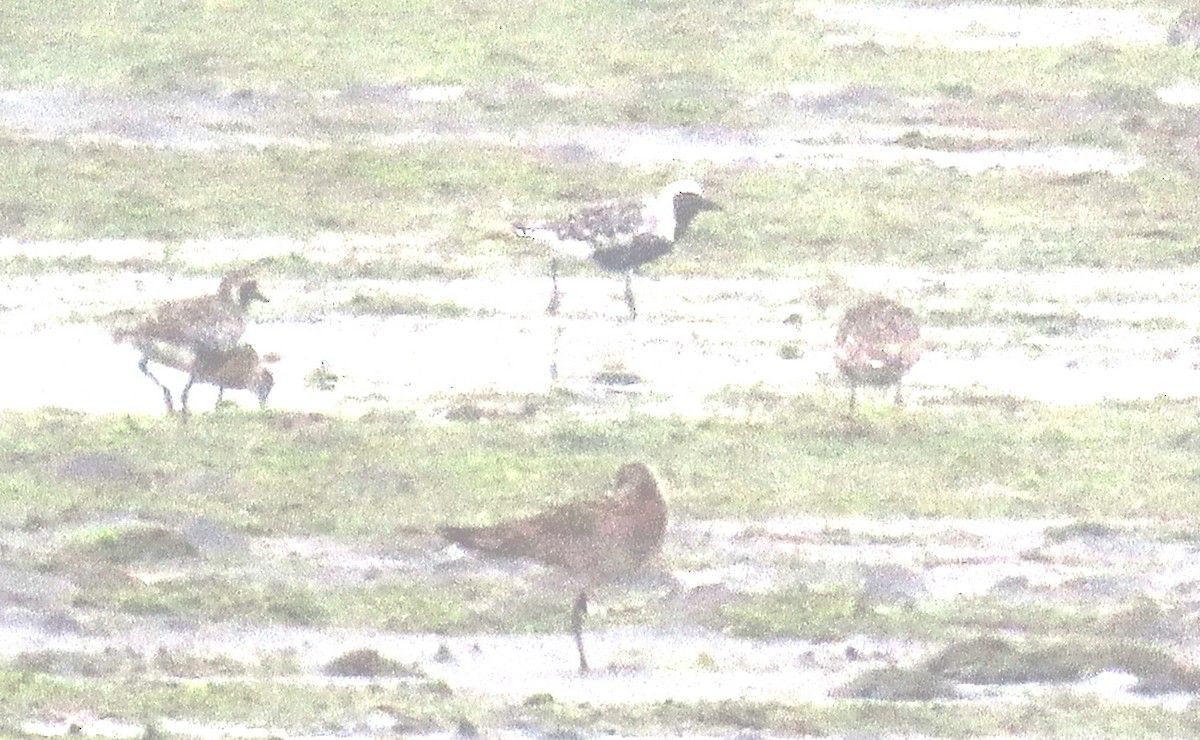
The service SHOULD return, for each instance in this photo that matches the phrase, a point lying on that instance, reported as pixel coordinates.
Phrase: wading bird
(878, 341)
(191, 332)
(240, 369)
(591, 541)
(622, 235)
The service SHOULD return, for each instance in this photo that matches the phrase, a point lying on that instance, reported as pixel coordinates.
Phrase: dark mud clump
(366, 662)
(898, 684)
(128, 544)
(989, 660)
(102, 468)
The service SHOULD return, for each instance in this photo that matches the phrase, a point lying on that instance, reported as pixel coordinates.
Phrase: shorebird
(189, 332)
(240, 369)
(878, 341)
(622, 235)
(591, 540)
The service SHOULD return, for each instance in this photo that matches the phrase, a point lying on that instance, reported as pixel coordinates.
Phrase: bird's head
(687, 198)
(635, 478)
(248, 291)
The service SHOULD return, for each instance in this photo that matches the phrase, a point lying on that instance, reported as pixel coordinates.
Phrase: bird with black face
(180, 333)
(622, 235)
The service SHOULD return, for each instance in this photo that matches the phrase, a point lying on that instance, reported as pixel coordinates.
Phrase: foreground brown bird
(591, 541)
(180, 333)
(878, 341)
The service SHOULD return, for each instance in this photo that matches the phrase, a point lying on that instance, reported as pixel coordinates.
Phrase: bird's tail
(481, 539)
(465, 536)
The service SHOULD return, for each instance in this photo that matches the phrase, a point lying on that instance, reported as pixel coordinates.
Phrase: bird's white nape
(681, 186)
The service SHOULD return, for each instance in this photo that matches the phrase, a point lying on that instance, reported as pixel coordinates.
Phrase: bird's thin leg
(629, 295)
(552, 309)
(558, 330)
(145, 368)
(220, 394)
(899, 395)
(183, 396)
(853, 395)
(577, 627)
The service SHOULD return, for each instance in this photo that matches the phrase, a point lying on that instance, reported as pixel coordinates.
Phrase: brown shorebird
(622, 235)
(194, 331)
(878, 341)
(241, 369)
(591, 541)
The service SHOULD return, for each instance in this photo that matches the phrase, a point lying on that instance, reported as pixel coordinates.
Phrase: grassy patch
(676, 50)
(209, 597)
(381, 477)
(281, 472)
(1052, 717)
(797, 612)
(141, 699)
(386, 304)
(456, 200)
(427, 707)
(126, 544)
(342, 80)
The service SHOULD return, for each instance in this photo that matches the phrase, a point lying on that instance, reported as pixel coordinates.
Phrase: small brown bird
(591, 541)
(180, 332)
(241, 369)
(878, 341)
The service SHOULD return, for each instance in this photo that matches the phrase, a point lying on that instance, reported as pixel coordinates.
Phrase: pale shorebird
(194, 332)
(622, 235)
(878, 341)
(591, 541)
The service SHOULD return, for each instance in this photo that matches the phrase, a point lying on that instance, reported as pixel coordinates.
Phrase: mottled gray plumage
(189, 332)
(878, 341)
(591, 541)
(622, 235)
(210, 322)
